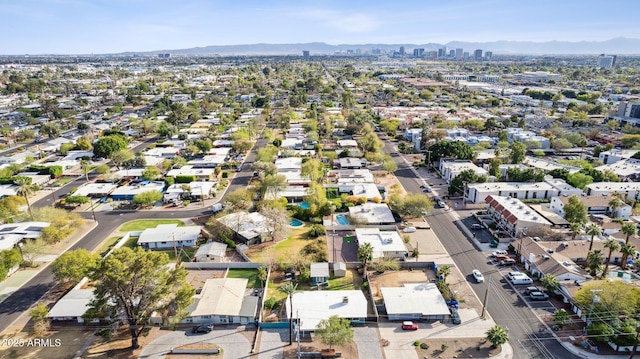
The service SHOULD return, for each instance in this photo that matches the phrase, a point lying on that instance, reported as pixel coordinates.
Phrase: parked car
(428, 189)
(514, 274)
(202, 329)
(478, 276)
(455, 316)
(408, 325)
(476, 226)
(521, 280)
(501, 257)
(538, 295)
(499, 252)
(530, 290)
(441, 204)
(409, 229)
(507, 262)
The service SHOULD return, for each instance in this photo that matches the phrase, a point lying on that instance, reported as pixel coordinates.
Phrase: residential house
(313, 306)
(73, 305)
(126, 193)
(200, 174)
(477, 192)
(166, 236)
(512, 217)
(223, 301)
(95, 189)
(13, 233)
(415, 301)
(371, 214)
(614, 155)
(249, 228)
(627, 169)
(211, 252)
(449, 169)
(596, 205)
(385, 244)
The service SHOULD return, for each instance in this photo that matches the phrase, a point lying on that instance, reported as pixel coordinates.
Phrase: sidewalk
(23, 276)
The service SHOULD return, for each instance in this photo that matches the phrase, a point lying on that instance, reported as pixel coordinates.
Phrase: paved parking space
(272, 342)
(368, 342)
(234, 344)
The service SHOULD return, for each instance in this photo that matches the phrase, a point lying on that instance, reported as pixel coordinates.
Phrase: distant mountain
(620, 46)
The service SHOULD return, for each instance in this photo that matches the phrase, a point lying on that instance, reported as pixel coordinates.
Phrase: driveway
(272, 342)
(368, 342)
(234, 344)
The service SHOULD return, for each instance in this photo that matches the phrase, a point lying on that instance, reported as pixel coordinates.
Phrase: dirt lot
(119, 347)
(22, 344)
(348, 351)
(457, 348)
(197, 277)
(396, 279)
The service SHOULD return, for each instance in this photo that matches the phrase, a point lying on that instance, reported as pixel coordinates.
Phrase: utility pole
(594, 299)
(486, 297)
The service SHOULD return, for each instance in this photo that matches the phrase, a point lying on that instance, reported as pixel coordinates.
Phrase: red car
(409, 326)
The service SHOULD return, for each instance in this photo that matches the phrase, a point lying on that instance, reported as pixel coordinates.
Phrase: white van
(521, 280)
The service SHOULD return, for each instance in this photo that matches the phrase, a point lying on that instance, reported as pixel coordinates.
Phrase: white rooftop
(381, 241)
(413, 298)
(614, 186)
(73, 304)
(221, 296)
(139, 188)
(372, 213)
(547, 165)
(169, 233)
(289, 163)
(97, 189)
(347, 143)
(519, 210)
(248, 225)
(623, 168)
(190, 171)
(313, 306)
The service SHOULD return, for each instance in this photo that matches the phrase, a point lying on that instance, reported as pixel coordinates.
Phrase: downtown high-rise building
(606, 61)
(419, 52)
(477, 55)
(459, 54)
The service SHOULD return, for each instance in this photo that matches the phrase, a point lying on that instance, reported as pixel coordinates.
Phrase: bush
(416, 343)
(316, 251)
(224, 239)
(272, 304)
(185, 179)
(316, 230)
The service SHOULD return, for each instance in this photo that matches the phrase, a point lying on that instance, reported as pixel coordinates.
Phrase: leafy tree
(50, 130)
(491, 124)
(613, 245)
(615, 203)
(629, 229)
(518, 152)
(335, 331)
(76, 200)
(494, 168)
(107, 145)
(601, 332)
(411, 205)
(238, 200)
(575, 211)
(593, 229)
(460, 182)
(288, 289)
(579, 180)
(39, 314)
(139, 283)
(389, 165)
(550, 282)
(120, 157)
(272, 185)
(594, 262)
(496, 335)
(365, 255)
(277, 221)
(151, 173)
(264, 168)
(312, 169)
(561, 317)
(72, 266)
(262, 274)
(25, 188)
(33, 249)
(450, 149)
(147, 198)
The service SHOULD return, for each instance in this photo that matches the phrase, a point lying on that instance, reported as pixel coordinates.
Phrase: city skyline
(113, 26)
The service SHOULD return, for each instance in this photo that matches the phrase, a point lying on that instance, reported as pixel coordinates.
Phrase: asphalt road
(527, 334)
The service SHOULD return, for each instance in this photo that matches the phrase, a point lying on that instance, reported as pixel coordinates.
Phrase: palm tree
(627, 250)
(614, 204)
(575, 228)
(444, 271)
(289, 289)
(496, 335)
(613, 246)
(365, 255)
(593, 230)
(594, 262)
(25, 189)
(629, 229)
(561, 317)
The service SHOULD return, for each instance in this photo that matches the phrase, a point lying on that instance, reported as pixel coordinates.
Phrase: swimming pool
(296, 223)
(304, 205)
(342, 219)
(622, 275)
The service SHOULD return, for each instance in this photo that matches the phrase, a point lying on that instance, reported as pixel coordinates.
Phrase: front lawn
(106, 246)
(142, 224)
(284, 249)
(250, 274)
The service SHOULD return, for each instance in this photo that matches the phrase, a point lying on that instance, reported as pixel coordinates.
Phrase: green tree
(575, 211)
(272, 185)
(365, 255)
(628, 229)
(348, 100)
(107, 145)
(147, 198)
(613, 245)
(561, 317)
(389, 165)
(593, 229)
(138, 283)
(518, 152)
(25, 189)
(50, 130)
(120, 157)
(496, 335)
(335, 331)
(579, 180)
(288, 289)
(594, 262)
(238, 200)
(313, 169)
(39, 314)
(262, 275)
(575, 228)
(614, 204)
(450, 149)
(151, 173)
(444, 271)
(411, 204)
(494, 168)
(550, 282)
(459, 183)
(77, 200)
(72, 266)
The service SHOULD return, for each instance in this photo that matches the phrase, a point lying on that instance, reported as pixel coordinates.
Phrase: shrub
(316, 251)
(416, 343)
(185, 179)
(272, 304)
(316, 230)
(224, 239)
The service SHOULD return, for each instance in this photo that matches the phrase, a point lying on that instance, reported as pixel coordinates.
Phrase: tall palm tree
(629, 229)
(289, 289)
(365, 255)
(627, 250)
(593, 230)
(594, 262)
(25, 188)
(613, 246)
(444, 271)
(614, 204)
(575, 228)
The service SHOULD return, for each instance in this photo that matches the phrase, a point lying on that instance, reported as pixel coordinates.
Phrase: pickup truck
(538, 295)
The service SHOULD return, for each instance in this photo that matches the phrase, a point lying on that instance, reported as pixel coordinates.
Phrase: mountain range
(618, 46)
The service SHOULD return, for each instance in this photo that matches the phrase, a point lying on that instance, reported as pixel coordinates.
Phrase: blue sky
(108, 26)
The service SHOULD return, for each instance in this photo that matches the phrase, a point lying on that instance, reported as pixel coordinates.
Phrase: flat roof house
(126, 193)
(385, 243)
(223, 301)
(211, 252)
(73, 305)
(628, 190)
(415, 301)
(313, 306)
(248, 227)
(372, 214)
(166, 236)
